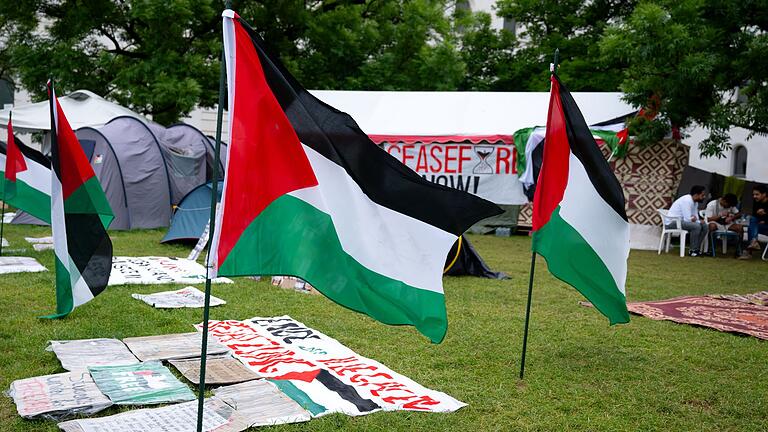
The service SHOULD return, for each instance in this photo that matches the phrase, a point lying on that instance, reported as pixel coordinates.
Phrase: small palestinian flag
(79, 218)
(308, 194)
(580, 226)
(26, 178)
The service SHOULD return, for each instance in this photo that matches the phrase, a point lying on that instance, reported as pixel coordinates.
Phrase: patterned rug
(745, 314)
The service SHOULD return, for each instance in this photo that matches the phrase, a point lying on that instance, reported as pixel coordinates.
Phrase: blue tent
(191, 215)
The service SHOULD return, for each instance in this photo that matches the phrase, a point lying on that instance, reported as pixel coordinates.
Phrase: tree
(161, 58)
(691, 59)
(573, 26)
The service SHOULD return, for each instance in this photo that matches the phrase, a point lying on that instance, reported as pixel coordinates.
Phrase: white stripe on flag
(599, 224)
(382, 240)
(35, 176)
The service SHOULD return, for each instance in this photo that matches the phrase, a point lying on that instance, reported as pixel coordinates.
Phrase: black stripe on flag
(584, 147)
(28, 152)
(90, 249)
(384, 179)
(346, 392)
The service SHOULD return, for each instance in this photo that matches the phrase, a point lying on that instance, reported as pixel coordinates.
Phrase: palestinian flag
(26, 178)
(579, 223)
(308, 194)
(80, 216)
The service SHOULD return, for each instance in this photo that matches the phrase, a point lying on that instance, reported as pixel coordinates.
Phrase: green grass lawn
(581, 374)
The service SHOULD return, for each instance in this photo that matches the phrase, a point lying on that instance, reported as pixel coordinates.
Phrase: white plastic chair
(668, 233)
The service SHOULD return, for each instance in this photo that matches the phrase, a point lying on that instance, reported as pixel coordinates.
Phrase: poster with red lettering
(320, 373)
(488, 170)
(57, 396)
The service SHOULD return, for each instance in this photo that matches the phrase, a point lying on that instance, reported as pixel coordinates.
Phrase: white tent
(82, 107)
(461, 113)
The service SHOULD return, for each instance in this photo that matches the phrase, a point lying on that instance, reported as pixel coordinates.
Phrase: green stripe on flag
(90, 198)
(299, 396)
(293, 238)
(64, 300)
(28, 199)
(571, 259)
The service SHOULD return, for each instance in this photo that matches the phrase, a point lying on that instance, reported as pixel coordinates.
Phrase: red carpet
(735, 314)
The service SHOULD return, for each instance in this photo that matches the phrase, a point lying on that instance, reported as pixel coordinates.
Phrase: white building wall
(757, 154)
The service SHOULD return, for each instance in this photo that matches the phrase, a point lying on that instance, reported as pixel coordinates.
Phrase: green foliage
(573, 26)
(160, 57)
(581, 374)
(690, 56)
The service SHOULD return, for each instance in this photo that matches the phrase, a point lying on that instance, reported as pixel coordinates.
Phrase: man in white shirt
(722, 212)
(686, 209)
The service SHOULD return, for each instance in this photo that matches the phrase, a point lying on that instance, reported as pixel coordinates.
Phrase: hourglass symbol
(483, 167)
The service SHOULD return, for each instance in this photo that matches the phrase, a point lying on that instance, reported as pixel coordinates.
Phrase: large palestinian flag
(26, 178)
(79, 218)
(308, 194)
(580, 226)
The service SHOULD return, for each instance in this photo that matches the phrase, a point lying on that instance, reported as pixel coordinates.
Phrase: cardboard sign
(218, 370)
(157, 270)
(172, 346)
(190, 297)
(486, 170)
(10, 264)
(217, 417)
(57, 396)
(140, 384)
(79, 354)
(318, 367)
(260, 403)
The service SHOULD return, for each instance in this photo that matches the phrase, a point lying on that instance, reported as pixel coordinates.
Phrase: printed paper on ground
(262, 404)
(172, 346)
(217, 417)
(140, 384)
(190, 297)
(57, 396)
(157, 270)
(79, 354)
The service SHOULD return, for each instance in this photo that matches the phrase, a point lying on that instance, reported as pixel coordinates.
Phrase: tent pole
(212, 222)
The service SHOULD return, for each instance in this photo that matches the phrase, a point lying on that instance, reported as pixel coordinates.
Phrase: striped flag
(308, 194)
(26, 178)
(579, 223)
(79, 218)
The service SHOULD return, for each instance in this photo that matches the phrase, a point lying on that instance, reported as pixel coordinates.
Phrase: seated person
(722, 212)
(758, 223)
(686, 208)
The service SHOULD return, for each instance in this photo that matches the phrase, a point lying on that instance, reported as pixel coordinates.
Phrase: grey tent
(144, 168)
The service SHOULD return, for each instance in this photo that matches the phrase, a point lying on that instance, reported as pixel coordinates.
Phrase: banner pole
(527, 314)
(212, 222)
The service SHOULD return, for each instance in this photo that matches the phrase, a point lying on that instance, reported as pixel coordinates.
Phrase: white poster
(190, 297)
(20, 265)
(57, 396)
(157, 270)
(217, 416)
(486, 170)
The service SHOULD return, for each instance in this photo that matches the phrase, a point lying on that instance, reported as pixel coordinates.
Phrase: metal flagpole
(533, 268)
(212, 222)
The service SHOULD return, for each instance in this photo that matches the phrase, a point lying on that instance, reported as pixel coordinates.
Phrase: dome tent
(144, 168)
(192, 214)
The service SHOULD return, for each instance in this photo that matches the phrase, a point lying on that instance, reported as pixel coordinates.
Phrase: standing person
(686, 208)
(758, 223)
(722, 212)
